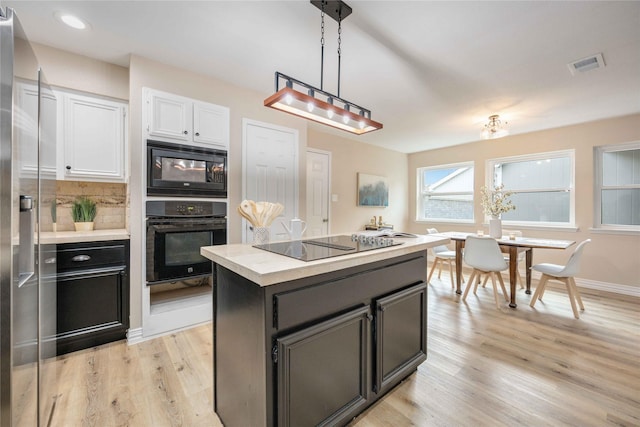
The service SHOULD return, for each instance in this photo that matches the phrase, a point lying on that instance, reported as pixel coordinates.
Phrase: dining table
(513, 245)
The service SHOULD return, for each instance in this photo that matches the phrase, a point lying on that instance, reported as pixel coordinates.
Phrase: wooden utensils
(260, 214)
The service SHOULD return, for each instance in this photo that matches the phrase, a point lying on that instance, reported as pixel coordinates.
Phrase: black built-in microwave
(185, 171)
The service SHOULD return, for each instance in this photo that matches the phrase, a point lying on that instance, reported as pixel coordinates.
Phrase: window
(445, 193)
(542, 186)
(617, 186)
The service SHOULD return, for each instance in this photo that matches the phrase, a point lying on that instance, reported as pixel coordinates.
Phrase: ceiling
(431, 72)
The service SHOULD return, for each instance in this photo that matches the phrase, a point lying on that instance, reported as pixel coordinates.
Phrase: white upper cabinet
(170, 117)
(210, 124)
(27, 130)
(175, 118)
(95, 139)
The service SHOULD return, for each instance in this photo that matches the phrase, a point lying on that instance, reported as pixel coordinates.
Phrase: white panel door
(318, 173)
(270, 172)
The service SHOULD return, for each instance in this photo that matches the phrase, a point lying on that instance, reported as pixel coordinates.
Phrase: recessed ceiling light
(71, 20)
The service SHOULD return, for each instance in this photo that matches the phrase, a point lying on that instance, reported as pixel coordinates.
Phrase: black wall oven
(176, 230)
(185, 171)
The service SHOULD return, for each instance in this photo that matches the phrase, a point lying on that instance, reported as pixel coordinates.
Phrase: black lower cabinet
(323, 371)
(317, 351)
(398, 346)
(92, 294)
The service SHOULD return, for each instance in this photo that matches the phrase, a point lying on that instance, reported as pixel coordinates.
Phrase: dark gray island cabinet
(306, 344)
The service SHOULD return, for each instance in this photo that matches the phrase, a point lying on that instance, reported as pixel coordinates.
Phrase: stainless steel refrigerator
(27, 255)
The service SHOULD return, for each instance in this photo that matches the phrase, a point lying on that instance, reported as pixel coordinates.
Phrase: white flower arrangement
(496, 202)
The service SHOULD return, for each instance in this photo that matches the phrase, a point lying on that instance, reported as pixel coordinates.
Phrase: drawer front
(88, 256)
(299, 306)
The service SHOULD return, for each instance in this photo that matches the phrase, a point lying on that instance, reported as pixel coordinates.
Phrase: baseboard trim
(134, 336)
(615, 288)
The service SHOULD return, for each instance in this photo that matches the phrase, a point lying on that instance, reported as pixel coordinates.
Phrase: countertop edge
(266, 268)
(83, 236)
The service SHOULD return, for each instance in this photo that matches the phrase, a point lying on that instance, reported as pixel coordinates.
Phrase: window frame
(420, 193)
(598, 186)
(571, 224)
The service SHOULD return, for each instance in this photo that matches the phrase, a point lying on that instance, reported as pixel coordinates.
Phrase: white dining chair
(521, 255)
(441, 254)
(484, 256)
(561, 273)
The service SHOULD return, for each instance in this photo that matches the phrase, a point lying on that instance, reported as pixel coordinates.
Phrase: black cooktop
(327, 247)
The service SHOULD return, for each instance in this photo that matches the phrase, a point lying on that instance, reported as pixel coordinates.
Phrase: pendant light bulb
(330, 110)
(289, 99)
(345, 117)
(310, 104)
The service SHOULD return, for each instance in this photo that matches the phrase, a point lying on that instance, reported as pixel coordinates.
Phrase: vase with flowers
(494, 203)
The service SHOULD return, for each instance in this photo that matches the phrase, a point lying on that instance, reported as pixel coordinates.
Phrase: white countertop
(266, 268)
(50, 237)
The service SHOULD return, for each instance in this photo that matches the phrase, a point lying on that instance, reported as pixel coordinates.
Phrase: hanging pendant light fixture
(303, 100)
(494, 128)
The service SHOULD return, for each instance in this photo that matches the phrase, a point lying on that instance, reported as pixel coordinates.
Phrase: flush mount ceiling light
(303, 100)
(71, 20)
(494, 128)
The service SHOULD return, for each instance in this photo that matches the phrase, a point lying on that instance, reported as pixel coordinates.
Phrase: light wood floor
(485, 367)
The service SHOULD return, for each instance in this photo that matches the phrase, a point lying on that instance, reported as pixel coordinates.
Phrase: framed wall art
(373, 190)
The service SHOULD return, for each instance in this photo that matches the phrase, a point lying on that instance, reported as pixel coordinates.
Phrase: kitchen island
(315, 343)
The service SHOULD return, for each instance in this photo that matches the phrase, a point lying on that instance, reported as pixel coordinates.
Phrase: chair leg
(543, 290)
(519, 279)
(477, 281)
(451, 273)
(504, 290)
(537, 295)
(486, 279)
(495, 289)
(572, 296)
(441, 261)
(470, 283)
(433, 267)
(576, 293)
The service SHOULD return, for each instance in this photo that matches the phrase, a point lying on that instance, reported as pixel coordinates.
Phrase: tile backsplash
(111, 200)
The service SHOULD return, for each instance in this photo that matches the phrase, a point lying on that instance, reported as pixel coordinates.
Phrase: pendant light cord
(322, 49)
(339, 50)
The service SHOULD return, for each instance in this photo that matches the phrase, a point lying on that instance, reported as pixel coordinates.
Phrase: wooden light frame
(309, 107)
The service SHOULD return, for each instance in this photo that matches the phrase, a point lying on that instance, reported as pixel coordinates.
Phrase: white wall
(610, 258)
(350, 157)
(243, 103)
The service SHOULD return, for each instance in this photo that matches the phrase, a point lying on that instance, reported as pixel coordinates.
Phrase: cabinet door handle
(51, 260)
(185, 132)
(68, 168)
(80, 258)
(197, 133)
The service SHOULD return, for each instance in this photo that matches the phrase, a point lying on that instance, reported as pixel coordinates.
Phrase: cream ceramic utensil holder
(260, 235)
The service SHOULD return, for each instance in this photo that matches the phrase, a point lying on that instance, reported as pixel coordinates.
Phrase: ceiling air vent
(586, 64)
